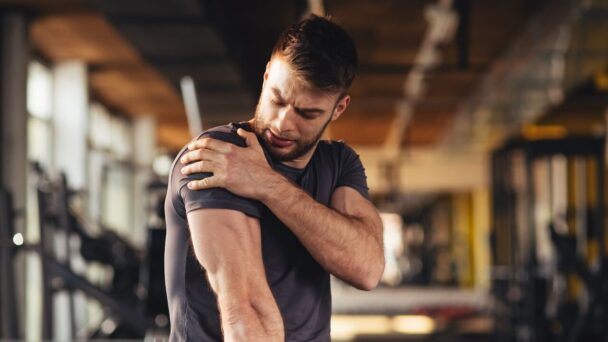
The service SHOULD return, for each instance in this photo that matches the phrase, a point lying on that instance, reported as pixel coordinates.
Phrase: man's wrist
(273, 185)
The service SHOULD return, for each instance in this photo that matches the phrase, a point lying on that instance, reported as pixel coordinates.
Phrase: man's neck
(302, 161)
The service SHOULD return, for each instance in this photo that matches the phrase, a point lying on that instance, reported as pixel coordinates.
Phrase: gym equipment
(123, 300)
(8, 320)
(548, 241)
(153, 271)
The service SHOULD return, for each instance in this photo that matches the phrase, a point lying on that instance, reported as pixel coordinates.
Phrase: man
(260, 213)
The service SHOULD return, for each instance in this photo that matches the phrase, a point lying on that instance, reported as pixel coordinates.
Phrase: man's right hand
(244, 171)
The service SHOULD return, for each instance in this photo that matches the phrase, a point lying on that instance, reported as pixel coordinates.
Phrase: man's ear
(266, 71)
(340, 107)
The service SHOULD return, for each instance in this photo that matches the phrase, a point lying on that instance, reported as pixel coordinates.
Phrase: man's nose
(285, 120)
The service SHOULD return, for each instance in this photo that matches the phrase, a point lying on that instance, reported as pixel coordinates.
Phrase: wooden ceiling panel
(172, 136)
(45, 5)
(360, 13)
(401, 34)
(427, 128)
(168, 40)
(442, 84)
(388, 55)
(150, 7)
(370, 107)
(136, 90)
(202, 74)
(373, 85)
(85, 36)
(369, 130)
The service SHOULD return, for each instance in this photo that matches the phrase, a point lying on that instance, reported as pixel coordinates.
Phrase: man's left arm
(345, 238)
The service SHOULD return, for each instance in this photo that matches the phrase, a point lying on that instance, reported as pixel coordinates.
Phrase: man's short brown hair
(321, 52)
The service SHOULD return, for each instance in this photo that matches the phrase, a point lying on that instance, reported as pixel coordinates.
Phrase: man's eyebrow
(310, 110)
(313, 110)
(276, 93)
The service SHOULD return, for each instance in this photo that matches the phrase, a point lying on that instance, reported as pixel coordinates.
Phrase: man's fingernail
(183, 170)
(190, 185)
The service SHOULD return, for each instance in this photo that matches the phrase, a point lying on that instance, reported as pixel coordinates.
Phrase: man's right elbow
(244, 323)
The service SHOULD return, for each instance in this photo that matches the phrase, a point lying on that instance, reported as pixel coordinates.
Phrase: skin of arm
(346, 238)
(227, 243)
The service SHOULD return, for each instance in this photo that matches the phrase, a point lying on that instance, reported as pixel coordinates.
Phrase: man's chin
(281, 154)
(288, 153)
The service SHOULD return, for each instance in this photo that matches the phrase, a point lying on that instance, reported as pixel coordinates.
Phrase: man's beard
(301, 147)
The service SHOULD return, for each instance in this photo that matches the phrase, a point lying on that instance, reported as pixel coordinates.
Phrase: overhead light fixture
(18, 239)
(162, 164)
(537, 132)
(413, 324)
(347, 327)
(601, 80)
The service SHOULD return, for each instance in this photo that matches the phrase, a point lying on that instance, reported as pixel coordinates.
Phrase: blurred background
(481, 124)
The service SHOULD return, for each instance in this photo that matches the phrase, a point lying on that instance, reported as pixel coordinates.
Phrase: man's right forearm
(253, 319)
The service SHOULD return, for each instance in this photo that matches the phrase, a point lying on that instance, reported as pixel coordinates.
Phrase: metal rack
(8, 320)
(549, 258)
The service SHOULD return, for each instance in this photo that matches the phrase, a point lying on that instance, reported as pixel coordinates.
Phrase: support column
(14, 54)
(144, 144)
(70, 125)
(70, 117)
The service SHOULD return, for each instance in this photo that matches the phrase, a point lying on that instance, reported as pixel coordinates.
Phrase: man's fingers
(206, 183)
(199, 154)
(250, 137)
(210, 144)
(197, 167)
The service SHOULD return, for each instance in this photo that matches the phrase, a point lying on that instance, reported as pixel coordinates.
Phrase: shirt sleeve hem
(361, 190)
(215, 204)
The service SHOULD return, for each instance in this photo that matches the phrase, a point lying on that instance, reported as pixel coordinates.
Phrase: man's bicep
(227, 243)
(350, 202)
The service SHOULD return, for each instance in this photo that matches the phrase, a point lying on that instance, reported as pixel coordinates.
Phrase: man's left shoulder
(337, 149)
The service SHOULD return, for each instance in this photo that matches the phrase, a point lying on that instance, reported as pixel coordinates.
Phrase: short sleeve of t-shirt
(352, 172)
(217, 198)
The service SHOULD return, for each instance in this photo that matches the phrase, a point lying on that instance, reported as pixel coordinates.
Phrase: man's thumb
(249, 137)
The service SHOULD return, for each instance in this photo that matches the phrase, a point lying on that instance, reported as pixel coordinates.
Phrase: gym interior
(481, 125)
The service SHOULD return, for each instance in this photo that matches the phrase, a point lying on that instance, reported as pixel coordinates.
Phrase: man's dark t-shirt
(299, 284)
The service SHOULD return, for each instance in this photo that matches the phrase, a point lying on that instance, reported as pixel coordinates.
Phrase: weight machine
(133, 302)
(59, 224)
